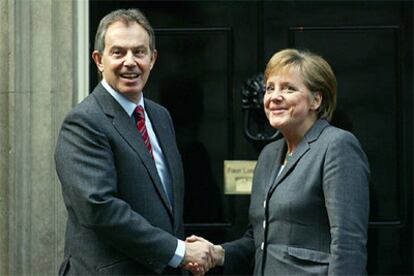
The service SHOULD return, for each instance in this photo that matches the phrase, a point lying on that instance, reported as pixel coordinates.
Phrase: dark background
(208, 49)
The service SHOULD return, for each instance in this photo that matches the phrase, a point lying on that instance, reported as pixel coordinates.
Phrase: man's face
(127, 60)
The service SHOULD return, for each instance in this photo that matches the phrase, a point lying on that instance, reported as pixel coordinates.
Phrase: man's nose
(129, 59)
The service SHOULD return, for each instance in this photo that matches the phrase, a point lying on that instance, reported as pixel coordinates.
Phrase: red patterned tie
(140, 119)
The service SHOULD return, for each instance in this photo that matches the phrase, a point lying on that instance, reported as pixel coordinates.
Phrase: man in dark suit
(120, 170)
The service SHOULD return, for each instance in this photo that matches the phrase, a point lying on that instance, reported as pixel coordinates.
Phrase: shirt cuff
(178, 255)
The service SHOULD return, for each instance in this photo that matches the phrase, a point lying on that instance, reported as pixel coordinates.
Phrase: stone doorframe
(44, 72)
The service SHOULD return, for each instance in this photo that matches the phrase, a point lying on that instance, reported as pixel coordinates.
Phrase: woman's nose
(276, 95)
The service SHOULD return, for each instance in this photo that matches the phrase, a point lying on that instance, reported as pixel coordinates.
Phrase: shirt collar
(126, 104)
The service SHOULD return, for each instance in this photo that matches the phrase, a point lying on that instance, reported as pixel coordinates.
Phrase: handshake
(201, 255)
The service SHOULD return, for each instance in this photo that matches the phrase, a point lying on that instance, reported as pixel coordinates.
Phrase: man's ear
(97, 57)
(316, 100)
(154, 55)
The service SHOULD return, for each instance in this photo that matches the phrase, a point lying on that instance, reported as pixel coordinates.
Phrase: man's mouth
(130, 75)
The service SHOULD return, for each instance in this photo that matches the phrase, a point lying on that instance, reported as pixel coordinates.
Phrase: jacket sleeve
(86, 169)
(346, 191)
(239, 255)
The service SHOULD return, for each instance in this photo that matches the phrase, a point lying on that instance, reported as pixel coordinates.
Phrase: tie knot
(139, 112)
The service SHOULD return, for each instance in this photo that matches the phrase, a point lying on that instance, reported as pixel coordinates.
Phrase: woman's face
(288, 103)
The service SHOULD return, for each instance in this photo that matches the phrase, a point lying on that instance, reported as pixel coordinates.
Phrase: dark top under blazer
(313, 217)
(119, 219)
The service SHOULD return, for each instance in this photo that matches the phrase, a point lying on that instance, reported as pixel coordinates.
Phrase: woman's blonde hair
(316, 73)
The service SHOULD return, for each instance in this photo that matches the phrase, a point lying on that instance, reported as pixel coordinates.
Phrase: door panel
(192, 90)
(208, 49)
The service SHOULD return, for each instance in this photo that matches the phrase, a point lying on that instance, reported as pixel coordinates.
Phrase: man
(120, 170)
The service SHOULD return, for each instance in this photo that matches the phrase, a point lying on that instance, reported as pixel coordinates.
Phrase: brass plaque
(238, 177)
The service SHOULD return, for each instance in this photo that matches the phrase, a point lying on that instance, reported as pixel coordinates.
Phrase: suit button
(264, 204)
(262, 246)
(264, 224)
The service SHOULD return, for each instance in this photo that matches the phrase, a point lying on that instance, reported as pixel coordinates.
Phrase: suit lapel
(164, 140)
(303, 147)
(126, 128)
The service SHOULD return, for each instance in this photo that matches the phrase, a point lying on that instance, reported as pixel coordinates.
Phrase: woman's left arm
(346, 191)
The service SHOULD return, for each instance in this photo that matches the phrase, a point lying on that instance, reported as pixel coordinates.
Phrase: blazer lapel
(304, 146)
(276, 164)
(126, 128)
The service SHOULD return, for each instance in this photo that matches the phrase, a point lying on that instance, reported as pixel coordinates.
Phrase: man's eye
(139, 52)
(116, 52)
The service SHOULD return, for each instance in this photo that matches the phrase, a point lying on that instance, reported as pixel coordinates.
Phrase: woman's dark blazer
(313, 217)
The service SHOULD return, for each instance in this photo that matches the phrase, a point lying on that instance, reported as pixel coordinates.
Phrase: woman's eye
(289, 89)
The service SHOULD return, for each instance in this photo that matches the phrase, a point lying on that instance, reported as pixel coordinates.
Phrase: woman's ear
(316, 100)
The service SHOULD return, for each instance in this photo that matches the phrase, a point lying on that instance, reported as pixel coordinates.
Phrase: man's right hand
(211, 255)
(198, 257)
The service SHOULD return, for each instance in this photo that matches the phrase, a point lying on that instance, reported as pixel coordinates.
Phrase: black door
(208, 49)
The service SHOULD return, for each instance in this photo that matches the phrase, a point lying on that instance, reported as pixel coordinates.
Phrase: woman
(309, 203)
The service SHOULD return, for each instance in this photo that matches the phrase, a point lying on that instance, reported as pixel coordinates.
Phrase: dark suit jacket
(119, 219)
(313, 217)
